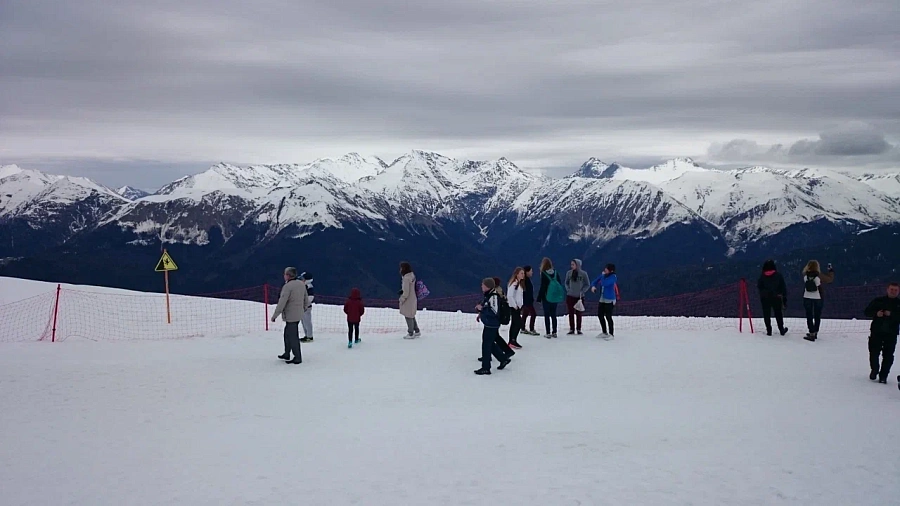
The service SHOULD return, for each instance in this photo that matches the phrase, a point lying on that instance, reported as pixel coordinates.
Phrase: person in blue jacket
(609, 293)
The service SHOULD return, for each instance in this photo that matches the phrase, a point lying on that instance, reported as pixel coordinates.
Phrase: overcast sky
(143, 92)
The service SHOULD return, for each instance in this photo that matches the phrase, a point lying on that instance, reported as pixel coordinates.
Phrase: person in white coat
(515, 296)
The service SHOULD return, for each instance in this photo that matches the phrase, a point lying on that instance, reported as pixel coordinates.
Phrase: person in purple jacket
(609, 293)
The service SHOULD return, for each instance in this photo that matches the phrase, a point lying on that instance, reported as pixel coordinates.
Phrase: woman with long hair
(577, 284)
(550, 295)
(515, 297)
(812, 299)
(528, 306)
(409, 303)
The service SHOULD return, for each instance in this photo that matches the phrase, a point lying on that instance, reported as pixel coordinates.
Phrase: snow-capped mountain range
(491, 203)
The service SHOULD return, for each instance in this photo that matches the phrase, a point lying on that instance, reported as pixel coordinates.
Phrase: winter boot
(287, 356)
(873, 375)
(483, 372)
(784, 331)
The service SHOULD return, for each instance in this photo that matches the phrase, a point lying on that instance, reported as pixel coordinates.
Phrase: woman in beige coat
(408, 301)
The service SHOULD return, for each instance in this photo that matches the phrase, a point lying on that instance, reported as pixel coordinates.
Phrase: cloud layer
(547, 84)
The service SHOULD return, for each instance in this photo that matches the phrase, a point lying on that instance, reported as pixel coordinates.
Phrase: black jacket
(771, 285)
(889, 325)
(528, 294)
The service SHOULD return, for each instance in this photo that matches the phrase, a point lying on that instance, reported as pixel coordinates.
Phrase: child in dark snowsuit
(354, 310)
(488, 315)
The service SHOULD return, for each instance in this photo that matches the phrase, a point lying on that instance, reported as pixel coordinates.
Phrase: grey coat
(408, 301)
(293, 301)
(581, 286)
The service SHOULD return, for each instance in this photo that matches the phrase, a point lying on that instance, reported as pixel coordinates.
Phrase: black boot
(483, 372)
(504, 364)
(784, 331)
(873, 375)
(286, 356)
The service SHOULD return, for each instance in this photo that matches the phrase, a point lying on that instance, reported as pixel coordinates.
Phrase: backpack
(811, 284)
(504, 312)
(421, 290)
(555, 291)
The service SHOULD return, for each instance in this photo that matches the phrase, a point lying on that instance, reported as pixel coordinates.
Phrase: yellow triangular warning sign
(166, 263)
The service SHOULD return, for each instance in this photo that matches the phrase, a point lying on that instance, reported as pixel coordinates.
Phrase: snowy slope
(218, 420)
(885, 183)
(658, 173)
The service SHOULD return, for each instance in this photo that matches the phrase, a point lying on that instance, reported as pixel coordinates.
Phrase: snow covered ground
(653, 417)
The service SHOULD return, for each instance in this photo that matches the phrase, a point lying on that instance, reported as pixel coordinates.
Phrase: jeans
(813, 309)
(526, 312)
(351, 328)
(307, 323)
(574, 316)
(515, 325)
(549, 315)
(773, 305)
(605, 312)
(412, 325)
(488, 336)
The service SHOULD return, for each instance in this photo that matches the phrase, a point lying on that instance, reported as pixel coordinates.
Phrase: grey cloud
(852, 144)
(554, 83)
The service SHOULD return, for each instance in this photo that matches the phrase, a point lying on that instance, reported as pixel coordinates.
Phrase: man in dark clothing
(885, 314)
(773, 296)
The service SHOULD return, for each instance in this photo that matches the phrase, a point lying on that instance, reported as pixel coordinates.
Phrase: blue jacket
(607, 284)
(489, 308)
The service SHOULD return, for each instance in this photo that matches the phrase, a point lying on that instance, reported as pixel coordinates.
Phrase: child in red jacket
(354, 309)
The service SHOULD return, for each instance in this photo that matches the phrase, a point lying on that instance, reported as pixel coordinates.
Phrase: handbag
(579, 306)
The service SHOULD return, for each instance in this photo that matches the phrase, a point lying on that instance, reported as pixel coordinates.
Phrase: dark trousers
(526, 312)
(549, 315)
(292, 339)
(574, 316)
(488, 345)
(515, 325)
(604, 312)
(813, 309)
(773, 305)
(884, 345)
(351, 328)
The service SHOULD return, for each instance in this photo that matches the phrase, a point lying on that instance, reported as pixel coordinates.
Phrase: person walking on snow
(291, 304)
(488, 315)
(307, 278)
(885, 314)
(609, 294)
(812, 299)
(516, 298)
(501, 349)
(354, 309)
(550, 299)
(772, 296)
(409, 303)
(528, 303)
(577, 284)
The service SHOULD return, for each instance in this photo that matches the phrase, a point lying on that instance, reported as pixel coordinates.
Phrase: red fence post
(749, 312)
(55, 315)
(266, 303)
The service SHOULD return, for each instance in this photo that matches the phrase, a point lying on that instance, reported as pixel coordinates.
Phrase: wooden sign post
(165, 265)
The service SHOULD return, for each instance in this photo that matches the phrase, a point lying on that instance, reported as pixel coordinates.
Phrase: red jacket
(354, 307)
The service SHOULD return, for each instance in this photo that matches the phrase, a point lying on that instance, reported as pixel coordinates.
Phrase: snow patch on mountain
(658, 173)
(886, 183)
(131, 193)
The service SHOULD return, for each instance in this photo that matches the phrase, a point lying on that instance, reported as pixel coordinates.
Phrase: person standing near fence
(607, 281)
(516, 297)
(354, 309)
(528, 303)
(550, 295)
(812, 299)
(772, 296)
(307, 315)
(409, 303)
(885, 314)
(577, 284)
(291, 304)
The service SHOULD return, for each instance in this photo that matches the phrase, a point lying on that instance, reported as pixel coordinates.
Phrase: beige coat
(292, 302)
(408, 301)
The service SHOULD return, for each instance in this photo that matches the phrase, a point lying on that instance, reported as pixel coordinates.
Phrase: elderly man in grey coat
(291, 305)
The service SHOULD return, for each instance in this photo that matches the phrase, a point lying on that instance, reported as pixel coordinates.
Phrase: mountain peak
(131, 193)
(9, 170)
(594, 168)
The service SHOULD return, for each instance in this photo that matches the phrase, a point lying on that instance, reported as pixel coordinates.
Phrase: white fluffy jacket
(515, 295)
